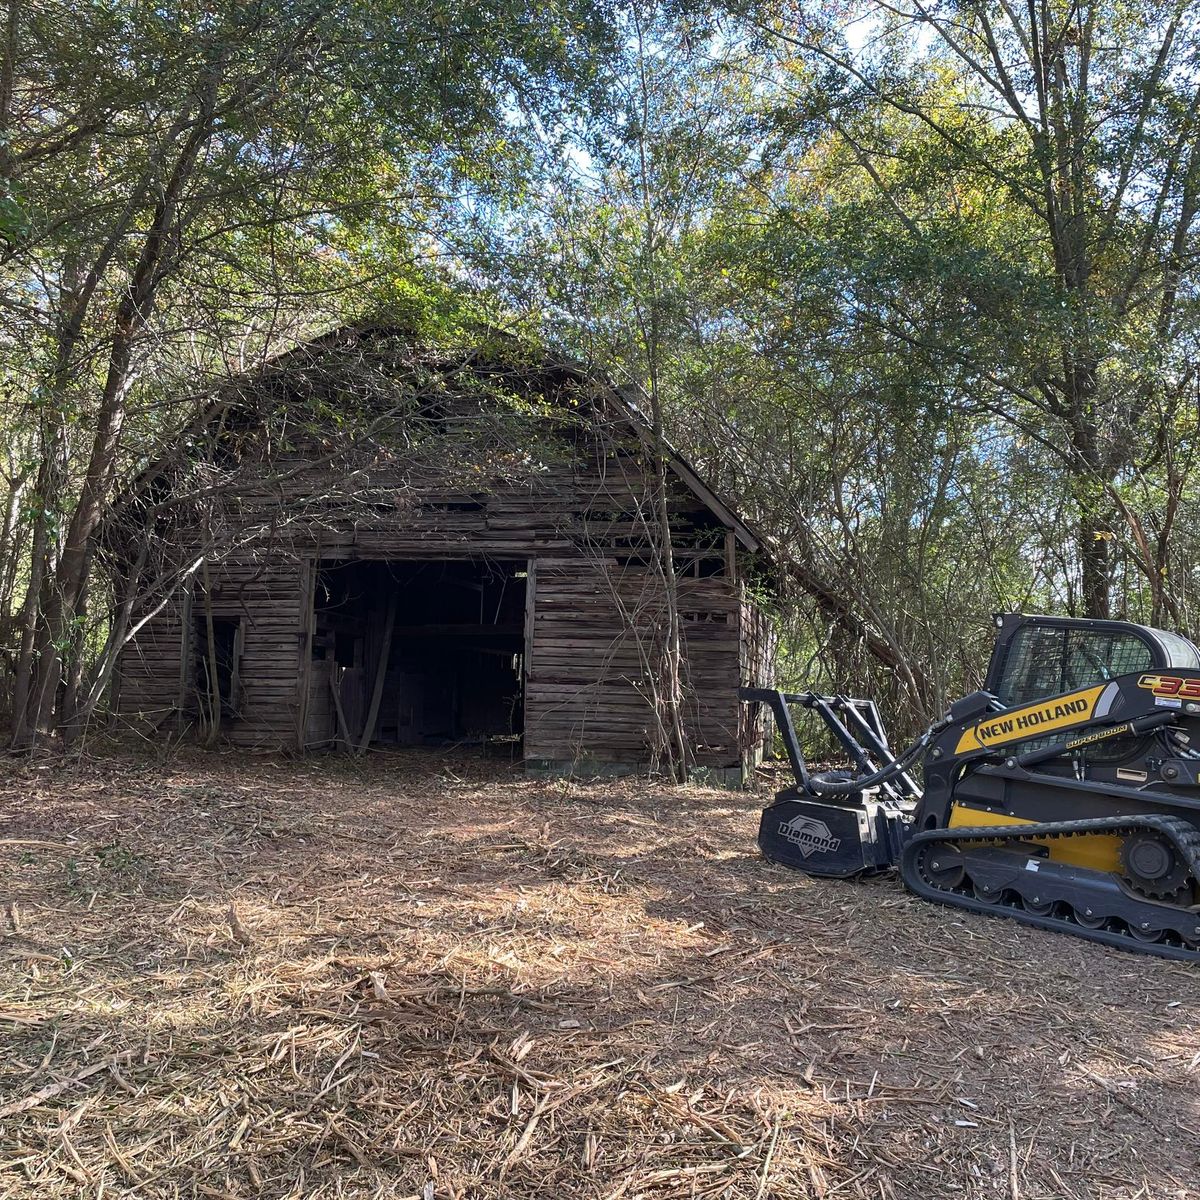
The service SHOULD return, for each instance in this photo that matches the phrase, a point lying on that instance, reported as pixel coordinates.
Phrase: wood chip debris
(415, 977)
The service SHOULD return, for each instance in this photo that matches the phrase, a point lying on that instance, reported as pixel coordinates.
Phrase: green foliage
(939, 396)
(922, 304)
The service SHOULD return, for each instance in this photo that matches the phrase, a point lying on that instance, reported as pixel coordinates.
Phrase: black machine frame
(1117, 757)
(849, 719)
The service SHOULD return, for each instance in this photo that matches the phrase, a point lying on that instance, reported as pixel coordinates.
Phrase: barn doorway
(421, 653)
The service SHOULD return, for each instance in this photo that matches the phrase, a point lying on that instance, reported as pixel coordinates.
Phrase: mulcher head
(838, 823)
(858, 834)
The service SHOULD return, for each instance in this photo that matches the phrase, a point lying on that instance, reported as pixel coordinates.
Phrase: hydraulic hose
(898, 765)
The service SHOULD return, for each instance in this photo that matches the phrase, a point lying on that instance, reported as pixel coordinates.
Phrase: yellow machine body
(1096, 851)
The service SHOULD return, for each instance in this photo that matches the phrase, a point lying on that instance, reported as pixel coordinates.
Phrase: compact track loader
(1065, 795)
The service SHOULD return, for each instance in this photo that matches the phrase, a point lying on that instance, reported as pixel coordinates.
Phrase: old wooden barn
(372, 542)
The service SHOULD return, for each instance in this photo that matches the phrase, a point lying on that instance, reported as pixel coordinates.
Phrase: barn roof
(624, 404)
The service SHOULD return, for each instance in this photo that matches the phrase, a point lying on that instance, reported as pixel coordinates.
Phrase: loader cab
(1038, 656)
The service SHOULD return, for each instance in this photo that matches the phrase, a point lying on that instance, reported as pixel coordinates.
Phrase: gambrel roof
(238, 401)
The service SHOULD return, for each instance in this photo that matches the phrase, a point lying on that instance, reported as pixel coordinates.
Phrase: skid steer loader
(1065, 795)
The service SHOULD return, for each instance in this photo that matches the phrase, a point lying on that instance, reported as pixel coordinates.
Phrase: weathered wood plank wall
(150, 676)
(157, 679)
(589, 694)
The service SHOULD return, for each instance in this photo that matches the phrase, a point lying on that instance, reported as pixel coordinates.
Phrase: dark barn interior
(439, 642)
(216, 659)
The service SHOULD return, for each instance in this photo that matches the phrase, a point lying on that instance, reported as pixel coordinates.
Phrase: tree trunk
(85, 706)
(24, 681)
(670, 668)
(1095, 565)
(1092, 478)
(64, 604)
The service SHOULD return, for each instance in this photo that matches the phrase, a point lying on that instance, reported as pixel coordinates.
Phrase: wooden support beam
(385, 653)
(335, 686)
(186, 634)
(308, 581)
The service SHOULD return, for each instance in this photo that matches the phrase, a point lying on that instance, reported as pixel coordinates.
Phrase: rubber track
(1184, 836)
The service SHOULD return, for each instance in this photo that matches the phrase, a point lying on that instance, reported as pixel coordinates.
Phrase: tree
(1082, 121)
(182, 189)
(601, 260)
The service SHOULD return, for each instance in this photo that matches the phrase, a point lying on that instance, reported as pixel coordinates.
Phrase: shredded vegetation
(415, 977)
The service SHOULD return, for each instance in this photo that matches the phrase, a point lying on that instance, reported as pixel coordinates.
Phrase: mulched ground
(416, 977)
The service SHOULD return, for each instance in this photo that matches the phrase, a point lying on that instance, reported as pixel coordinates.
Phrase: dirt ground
(419, 977)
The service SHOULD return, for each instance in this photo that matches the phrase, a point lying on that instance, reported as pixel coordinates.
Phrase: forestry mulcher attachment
(1066, 794)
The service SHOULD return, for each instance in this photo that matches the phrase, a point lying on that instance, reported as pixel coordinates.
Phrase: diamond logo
(809, 836)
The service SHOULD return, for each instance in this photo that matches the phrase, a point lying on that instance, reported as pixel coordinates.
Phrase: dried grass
(232, 978)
